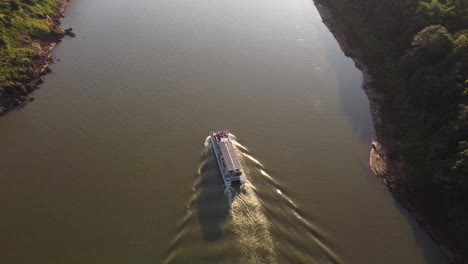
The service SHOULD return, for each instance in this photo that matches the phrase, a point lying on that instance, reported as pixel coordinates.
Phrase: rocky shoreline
(388, 170)
(17, 96)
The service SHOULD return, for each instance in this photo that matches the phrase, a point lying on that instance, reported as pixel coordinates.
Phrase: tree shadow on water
(213, 205)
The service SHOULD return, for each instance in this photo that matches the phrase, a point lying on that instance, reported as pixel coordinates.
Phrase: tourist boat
(228, 161)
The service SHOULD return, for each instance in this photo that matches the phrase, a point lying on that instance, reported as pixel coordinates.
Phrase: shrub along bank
(418, 52)
(26, 28)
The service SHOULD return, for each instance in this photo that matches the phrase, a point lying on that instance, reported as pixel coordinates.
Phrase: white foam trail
(248, 227)
(332, 257)
(207, 142)
(291, 203)
(187, 217)
(265, 174)
(253, 159)
(325, 249)
(193, 198)
(253, 229)
(250, 185)
(200, 168)
(239, 145)
(233, 136)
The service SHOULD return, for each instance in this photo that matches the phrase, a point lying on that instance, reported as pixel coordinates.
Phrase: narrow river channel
(110, 163)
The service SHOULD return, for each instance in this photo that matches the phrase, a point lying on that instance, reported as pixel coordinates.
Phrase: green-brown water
(110, 163)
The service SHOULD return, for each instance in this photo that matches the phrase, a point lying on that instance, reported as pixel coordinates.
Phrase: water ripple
(260, 225)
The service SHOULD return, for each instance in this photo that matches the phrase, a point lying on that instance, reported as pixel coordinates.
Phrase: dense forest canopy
(420, 51)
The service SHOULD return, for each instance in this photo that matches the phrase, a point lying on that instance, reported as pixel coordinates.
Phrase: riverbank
(385, 145)
(26, 51)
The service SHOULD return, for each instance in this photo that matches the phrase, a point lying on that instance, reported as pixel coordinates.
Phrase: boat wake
(261, 224)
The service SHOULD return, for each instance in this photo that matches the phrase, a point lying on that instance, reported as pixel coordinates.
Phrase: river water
(110, 163)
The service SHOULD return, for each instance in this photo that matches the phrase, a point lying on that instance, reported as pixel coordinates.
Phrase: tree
(434, 12)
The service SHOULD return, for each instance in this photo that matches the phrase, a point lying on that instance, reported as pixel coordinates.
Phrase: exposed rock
(32, 74)
(22, 89)
(69, 32)
(56, 33)
(30, 88)
(46, 70)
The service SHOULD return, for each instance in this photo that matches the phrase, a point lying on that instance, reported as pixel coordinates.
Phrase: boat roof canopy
(230, 156)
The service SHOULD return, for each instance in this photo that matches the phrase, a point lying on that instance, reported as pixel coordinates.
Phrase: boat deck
(229, 155)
